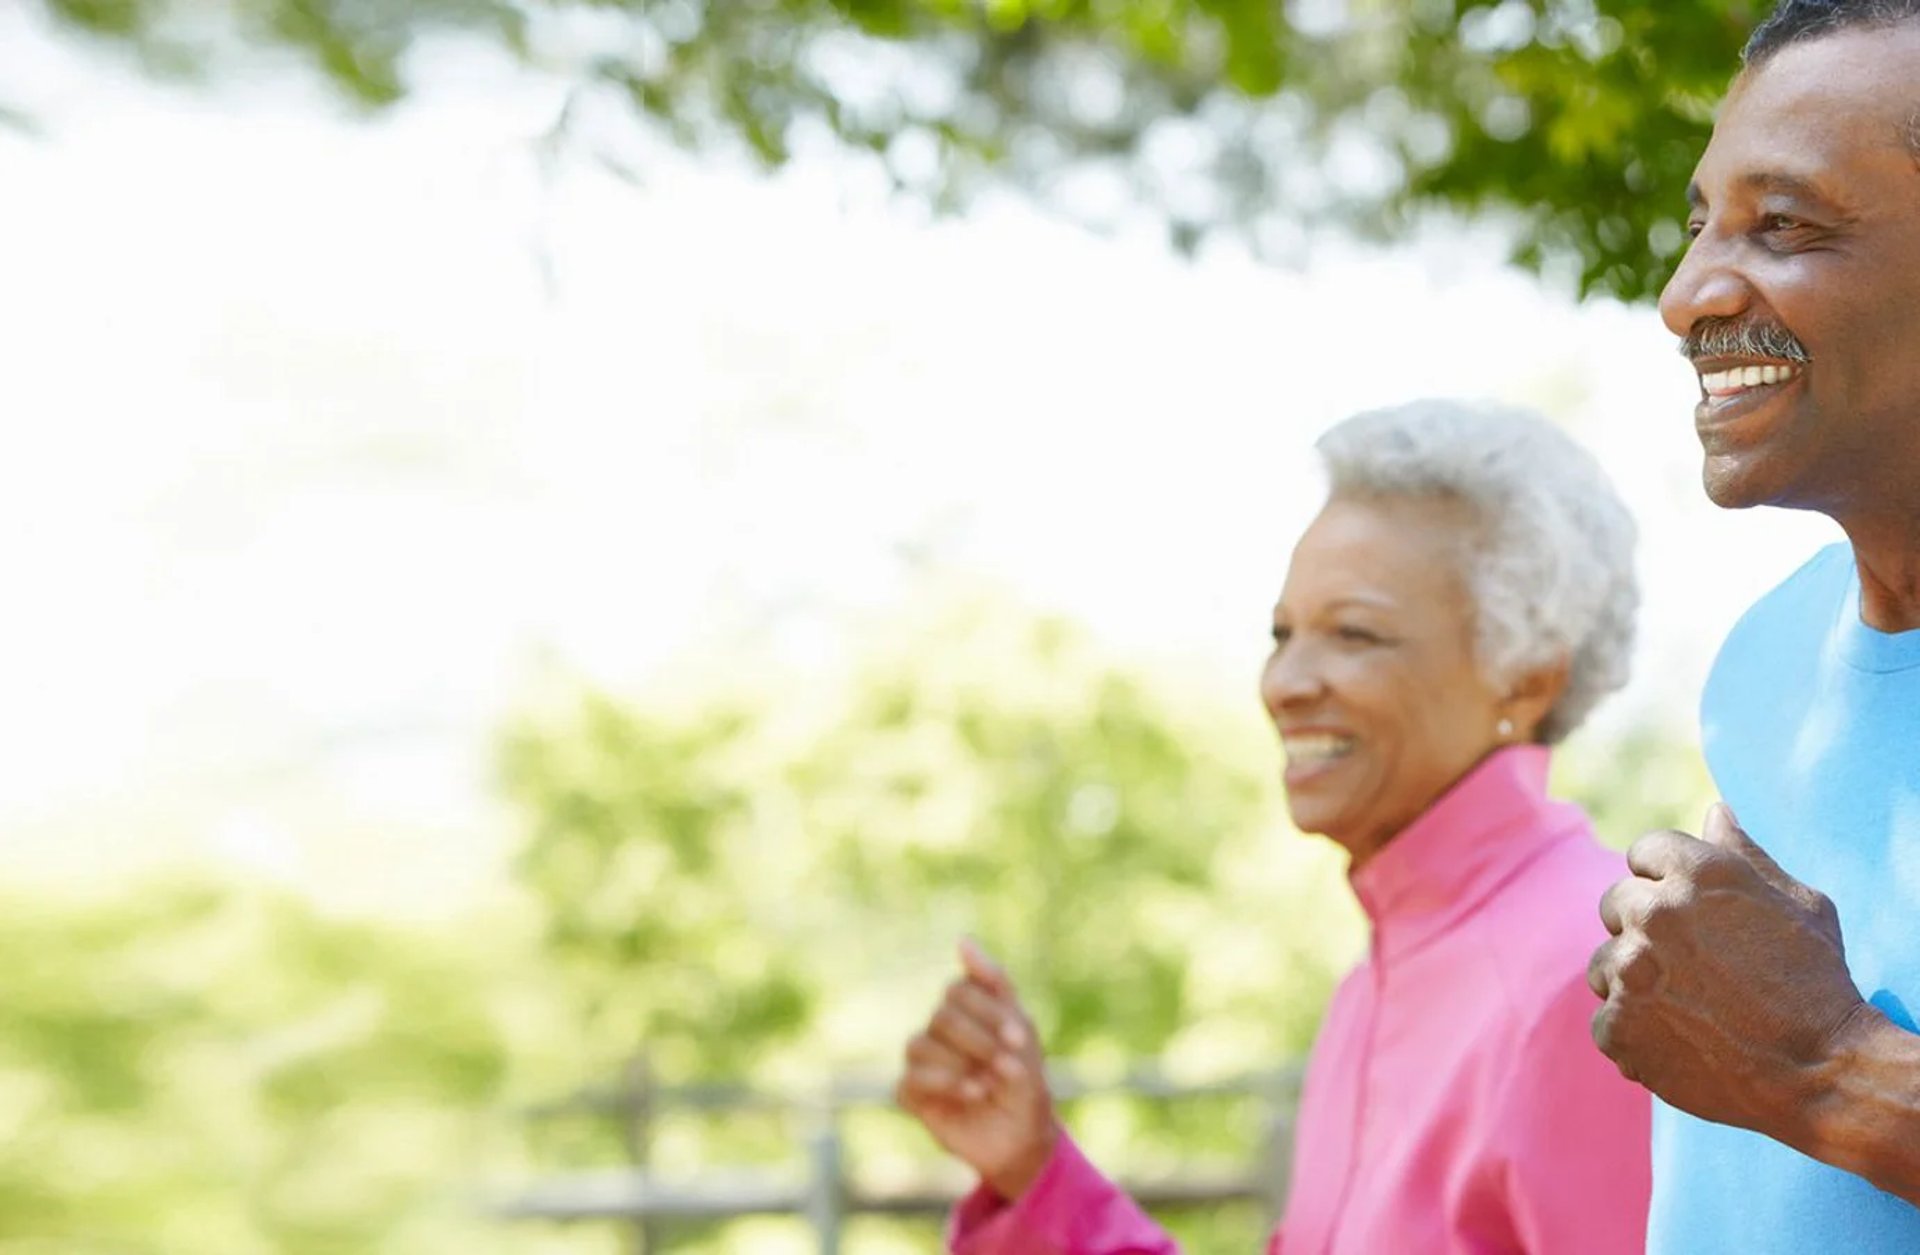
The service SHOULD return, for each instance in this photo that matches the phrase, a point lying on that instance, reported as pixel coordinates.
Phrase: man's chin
(1733, 483)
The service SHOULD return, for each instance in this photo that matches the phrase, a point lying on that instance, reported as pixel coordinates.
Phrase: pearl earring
(1505, 729)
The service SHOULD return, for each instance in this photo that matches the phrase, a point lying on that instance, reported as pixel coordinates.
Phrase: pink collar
(1491, 823)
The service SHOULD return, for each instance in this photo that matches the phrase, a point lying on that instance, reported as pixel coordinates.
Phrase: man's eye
(1357, 634)
(1694, 229)
(1775, 223)
(1282, 635)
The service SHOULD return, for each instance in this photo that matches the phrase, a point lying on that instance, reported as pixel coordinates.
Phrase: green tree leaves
(1577, 121)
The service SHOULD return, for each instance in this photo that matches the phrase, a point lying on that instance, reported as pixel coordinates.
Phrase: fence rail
(824, 1192)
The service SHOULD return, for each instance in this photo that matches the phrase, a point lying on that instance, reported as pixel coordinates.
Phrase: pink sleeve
(1576, 1139)
(1070, 1210)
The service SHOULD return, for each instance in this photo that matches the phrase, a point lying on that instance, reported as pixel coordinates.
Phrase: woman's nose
(1291, 680)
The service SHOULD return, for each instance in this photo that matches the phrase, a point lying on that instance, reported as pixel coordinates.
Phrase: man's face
(1806, 223)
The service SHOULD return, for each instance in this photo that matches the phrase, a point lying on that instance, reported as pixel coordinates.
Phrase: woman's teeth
(1316, 747)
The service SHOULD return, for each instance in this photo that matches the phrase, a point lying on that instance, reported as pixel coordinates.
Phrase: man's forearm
(1862, 1107)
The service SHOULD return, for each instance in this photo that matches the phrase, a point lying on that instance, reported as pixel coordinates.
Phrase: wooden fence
(826, 1190)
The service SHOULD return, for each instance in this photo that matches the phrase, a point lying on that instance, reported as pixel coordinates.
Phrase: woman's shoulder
(1543, 925)
(1568, 867)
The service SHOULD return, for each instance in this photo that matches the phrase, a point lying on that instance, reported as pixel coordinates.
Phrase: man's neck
(1887, 553)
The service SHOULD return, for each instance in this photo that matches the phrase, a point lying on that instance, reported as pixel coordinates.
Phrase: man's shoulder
(1815, 589)
(1768, 675)
(1799, 609)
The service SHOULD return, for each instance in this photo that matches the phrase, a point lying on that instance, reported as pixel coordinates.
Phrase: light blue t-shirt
(1811, 726)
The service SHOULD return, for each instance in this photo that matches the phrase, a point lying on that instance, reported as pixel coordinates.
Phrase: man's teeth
(1317, 746)
(1740, 378)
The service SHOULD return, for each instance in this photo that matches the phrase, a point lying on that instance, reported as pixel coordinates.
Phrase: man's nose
(1707, 284)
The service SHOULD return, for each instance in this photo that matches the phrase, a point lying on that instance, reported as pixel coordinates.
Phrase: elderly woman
(1460, 603)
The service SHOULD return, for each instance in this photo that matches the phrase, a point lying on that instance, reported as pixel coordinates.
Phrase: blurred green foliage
(1646, 777)
(1575, 121)
(731, 878)
(196, 1068)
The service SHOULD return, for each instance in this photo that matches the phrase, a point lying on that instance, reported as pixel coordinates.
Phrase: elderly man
(1786, 1057)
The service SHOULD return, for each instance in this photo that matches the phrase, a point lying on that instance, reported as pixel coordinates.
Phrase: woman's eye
(1694, 229)
(1358, 635)
(1281, 636)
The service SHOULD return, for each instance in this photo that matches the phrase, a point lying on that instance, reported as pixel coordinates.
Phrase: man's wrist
(1859, 1099)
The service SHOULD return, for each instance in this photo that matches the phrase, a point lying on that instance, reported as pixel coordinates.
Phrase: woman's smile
(1313, 753)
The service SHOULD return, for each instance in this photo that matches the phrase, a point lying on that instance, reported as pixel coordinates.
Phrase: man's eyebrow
(1784, 184)
(1776, 181)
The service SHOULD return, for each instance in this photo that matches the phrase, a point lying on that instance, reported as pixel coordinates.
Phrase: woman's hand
(975, 1077)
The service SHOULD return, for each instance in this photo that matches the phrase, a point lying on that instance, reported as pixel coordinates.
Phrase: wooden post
(826, 1199)
(1282, 1103)
(637, 1129)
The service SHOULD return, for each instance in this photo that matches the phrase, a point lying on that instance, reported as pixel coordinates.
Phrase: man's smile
(1734, 380)
(1731, 390)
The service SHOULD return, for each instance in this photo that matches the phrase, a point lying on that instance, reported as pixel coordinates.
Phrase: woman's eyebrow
(1366, 601)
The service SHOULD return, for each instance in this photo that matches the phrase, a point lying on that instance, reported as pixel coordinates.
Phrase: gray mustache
(1725, 337)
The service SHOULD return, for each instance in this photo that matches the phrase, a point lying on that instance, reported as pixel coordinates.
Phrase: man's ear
(1531, 695)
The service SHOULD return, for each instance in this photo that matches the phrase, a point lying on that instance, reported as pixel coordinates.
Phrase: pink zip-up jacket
(1454, 1101)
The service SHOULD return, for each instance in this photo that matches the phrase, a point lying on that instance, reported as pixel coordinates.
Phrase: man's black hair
(1796, 21)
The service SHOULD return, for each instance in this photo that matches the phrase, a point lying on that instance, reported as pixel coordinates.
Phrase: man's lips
(1727, 402)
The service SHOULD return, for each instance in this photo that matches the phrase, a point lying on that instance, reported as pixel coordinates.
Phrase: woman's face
(1372, 683)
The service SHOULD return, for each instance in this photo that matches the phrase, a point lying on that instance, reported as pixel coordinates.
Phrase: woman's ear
(1531, 696)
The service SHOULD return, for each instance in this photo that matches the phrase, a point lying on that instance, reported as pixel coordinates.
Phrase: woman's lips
(1312, 753)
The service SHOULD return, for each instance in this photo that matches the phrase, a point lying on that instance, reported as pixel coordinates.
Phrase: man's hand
(1725, 982)
(975, 1077)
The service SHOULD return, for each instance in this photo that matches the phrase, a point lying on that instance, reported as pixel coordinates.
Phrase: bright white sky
(327, 438)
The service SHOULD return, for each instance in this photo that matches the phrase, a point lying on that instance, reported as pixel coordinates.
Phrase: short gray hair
(1551, 571)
